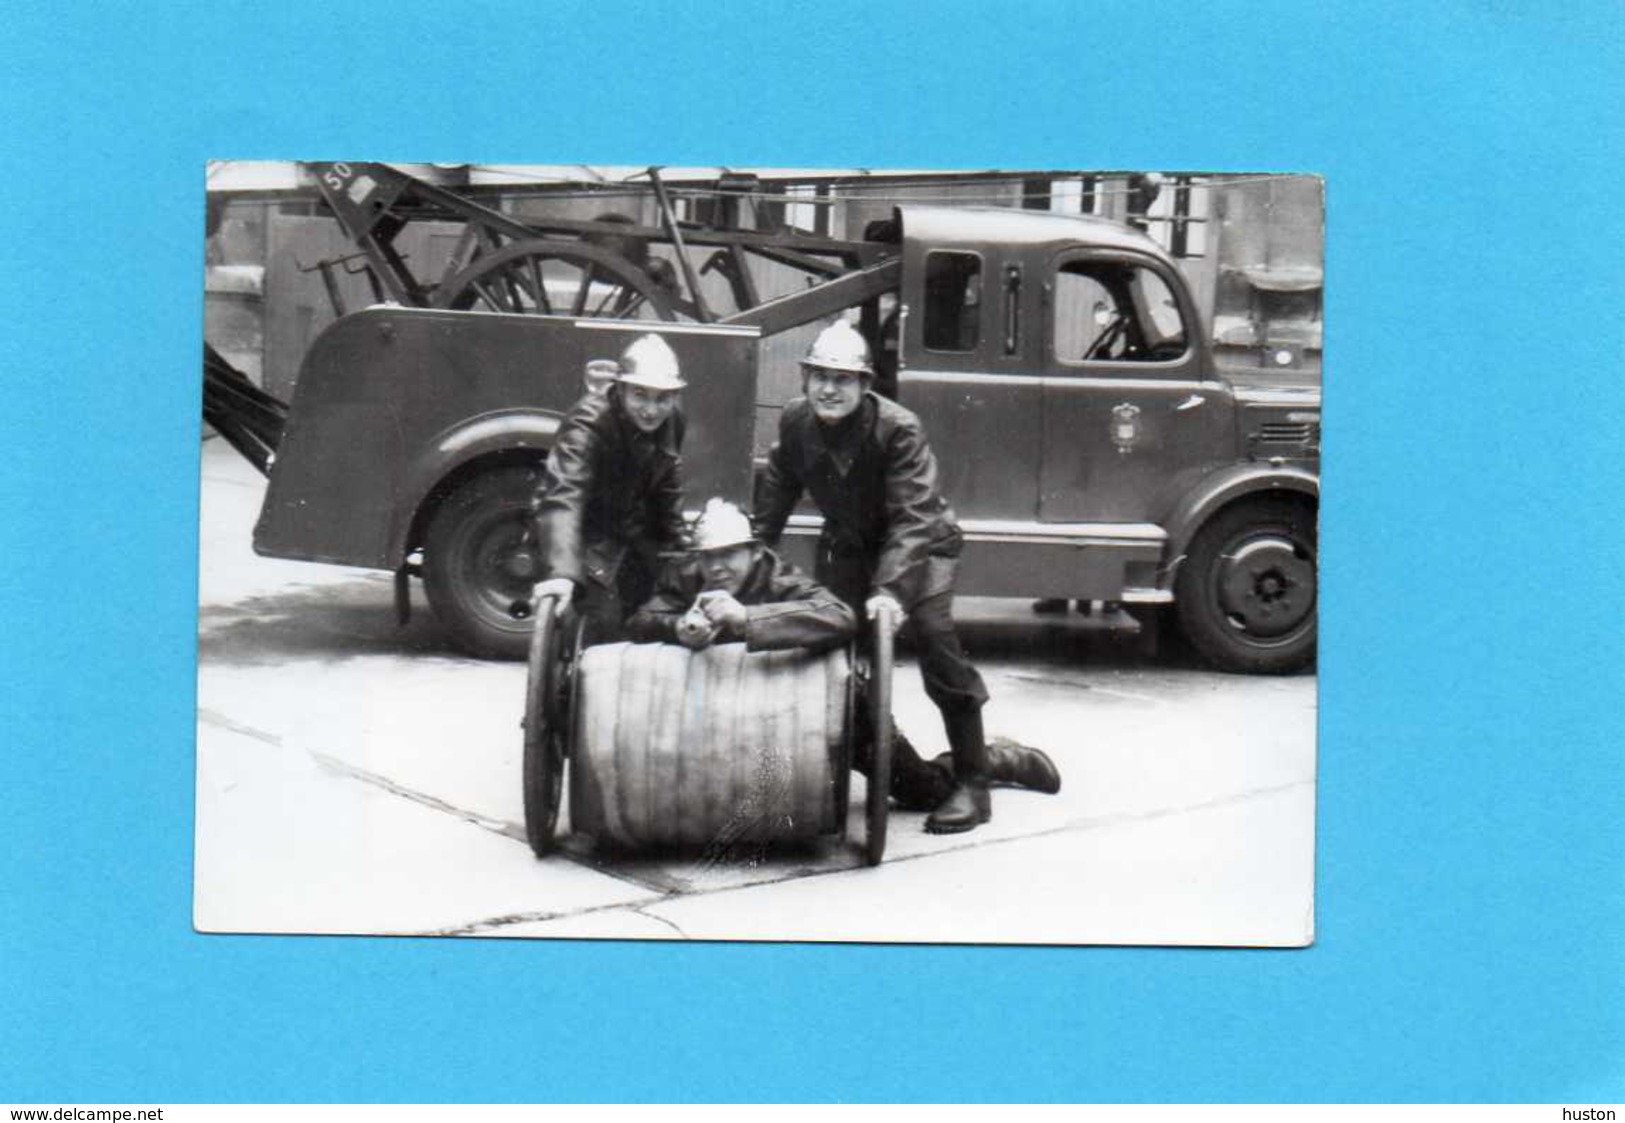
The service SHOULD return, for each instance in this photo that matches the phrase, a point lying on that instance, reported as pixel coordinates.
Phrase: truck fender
(504, 431)
(1217, 490)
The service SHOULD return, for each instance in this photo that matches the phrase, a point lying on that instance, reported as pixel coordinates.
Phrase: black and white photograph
(759, 554)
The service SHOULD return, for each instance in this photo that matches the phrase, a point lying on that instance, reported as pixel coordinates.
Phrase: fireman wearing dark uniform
(889, 540)
(732, 589)
(611, 498)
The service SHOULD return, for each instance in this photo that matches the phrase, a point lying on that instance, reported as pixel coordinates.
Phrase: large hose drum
(684, 747)
(671, 747)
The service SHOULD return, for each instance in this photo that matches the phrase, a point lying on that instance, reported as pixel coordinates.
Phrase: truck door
(966, 375)
(1128, 412)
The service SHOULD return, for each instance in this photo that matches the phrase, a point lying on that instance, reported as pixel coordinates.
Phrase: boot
(1016, 765)
(970, 805)
(1022, 767)
(916, 784)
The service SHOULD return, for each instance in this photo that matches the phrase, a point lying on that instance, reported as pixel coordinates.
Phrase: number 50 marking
(335, 176)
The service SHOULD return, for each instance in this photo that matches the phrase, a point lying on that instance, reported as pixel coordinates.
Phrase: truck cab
(1087, 440)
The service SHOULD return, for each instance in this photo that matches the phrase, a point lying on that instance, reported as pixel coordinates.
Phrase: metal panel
(384, 386)
(1115, 432)
(983, 429)
(1004, 558)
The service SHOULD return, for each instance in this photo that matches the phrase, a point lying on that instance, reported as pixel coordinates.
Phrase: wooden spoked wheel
(546, 728)
(540, 277)
(878, 799)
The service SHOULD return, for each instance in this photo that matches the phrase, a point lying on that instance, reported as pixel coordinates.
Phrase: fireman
(733, 589)
(890, 541)
(610, 500)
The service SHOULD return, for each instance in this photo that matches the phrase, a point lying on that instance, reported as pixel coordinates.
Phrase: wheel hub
(521, 564)
(507, 563)
(1267, 587)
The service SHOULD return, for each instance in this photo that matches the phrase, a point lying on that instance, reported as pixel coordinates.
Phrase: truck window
(1112, 311)
(953, 300)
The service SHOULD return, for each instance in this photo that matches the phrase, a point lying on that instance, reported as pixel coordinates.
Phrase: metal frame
(374, 202)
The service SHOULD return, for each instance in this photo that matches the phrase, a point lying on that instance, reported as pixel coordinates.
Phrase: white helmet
(840, 347)
(649, 361)
(720, 526)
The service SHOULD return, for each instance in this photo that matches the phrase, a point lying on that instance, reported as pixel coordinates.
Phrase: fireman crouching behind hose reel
(734, 589)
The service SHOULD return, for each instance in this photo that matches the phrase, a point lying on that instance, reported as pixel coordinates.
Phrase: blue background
(1471, 869)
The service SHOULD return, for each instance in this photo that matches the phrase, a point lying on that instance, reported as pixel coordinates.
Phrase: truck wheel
(479, 561)
(1247, 592)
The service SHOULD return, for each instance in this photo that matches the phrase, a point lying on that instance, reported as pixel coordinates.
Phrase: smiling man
(890, 540)
(732, 589)
(611, 498)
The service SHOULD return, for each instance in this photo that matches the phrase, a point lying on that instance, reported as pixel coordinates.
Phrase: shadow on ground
(348, 619)
(331, 622)
(997, 630)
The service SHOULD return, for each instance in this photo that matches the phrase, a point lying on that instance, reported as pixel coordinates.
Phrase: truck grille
(1296, 433)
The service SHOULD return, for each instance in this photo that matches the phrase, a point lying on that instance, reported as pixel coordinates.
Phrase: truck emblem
(1125, 426)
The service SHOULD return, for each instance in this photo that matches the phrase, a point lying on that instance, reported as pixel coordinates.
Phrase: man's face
(647, 408)
(725, 570)
(834, 394)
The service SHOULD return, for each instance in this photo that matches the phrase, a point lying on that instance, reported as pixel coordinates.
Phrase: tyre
(1247, 592)
(480, 559)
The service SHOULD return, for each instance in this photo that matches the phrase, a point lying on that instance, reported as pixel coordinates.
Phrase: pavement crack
(384, 783)
(542, 916)
(661, 920)
(224, 722)
(1073, 684)
(1098, 822)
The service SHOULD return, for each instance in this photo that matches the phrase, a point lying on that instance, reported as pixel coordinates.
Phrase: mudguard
(1217, 490)
(527, 430)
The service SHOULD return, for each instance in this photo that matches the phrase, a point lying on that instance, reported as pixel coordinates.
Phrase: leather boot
(1016, 765)
(917, 784)
(1022, 767)
(970, 805)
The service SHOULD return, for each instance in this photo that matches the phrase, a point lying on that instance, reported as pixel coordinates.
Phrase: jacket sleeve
(779, 488)
(800, 613)
(655, 621)
(561, 500)
(915, 509)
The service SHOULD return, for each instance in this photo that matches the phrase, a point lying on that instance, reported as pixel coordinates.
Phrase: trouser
(951, 682)
(606, 608)
(916, 783)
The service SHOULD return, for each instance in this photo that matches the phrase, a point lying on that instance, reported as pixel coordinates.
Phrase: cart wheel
(558, 278)
(545, 729)
(878, 801)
